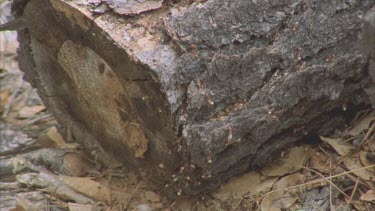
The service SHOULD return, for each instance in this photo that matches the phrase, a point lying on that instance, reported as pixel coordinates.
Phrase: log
(368, 43)
(191, 93)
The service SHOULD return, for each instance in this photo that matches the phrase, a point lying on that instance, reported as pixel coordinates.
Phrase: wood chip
(133, 7)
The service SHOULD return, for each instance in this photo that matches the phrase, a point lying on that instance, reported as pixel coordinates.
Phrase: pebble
(143, 207)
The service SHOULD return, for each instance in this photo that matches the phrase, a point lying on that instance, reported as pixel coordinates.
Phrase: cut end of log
(190, 96)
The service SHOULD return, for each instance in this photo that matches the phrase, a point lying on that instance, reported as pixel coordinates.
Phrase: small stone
(157, 205)
(143, 207)
(357, 141)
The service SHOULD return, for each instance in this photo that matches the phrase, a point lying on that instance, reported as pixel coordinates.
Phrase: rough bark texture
(368, 47)
(194, 94)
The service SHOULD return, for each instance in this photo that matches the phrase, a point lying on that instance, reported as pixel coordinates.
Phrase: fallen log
(190, 94)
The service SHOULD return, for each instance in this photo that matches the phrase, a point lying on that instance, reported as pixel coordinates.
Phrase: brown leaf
(338, 145)
(55, 136)
(365, 161)
(291, 162)
(288, 181)
(52, 139)
(250, 183)
(359, 205)
(44, 141)
(368, 196)
(88, 187)
(353, 163)
(281, 198)
(362, 125)
(320, 162)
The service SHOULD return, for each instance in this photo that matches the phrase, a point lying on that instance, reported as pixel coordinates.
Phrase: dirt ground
(40, 171)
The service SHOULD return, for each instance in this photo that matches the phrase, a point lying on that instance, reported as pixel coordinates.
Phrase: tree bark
(192, 94)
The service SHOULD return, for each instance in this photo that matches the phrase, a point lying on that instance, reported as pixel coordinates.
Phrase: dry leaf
(320, 162)
(338, 145)
(287, 181)
(359, 205)
(368, 196)
(27, 112)
(362, 125)
(291, 162)
(353, 163)
(88, 187)
(365, 162)
(44, 141)
(52, 139)
(281, 198)
(55, 136)
(285, 201)
(251, 183)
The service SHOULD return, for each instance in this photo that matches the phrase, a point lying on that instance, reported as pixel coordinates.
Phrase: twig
(364, 182)
(319, 180)
(329, 155)
(238, 203)
(50, 183)
(330, 188)
(9, 186)
(58, 186)
(349, 139)
(132, 195)
(36, 119)
(361, 115)
(365, 139)
(353, 192)
(328, 179)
